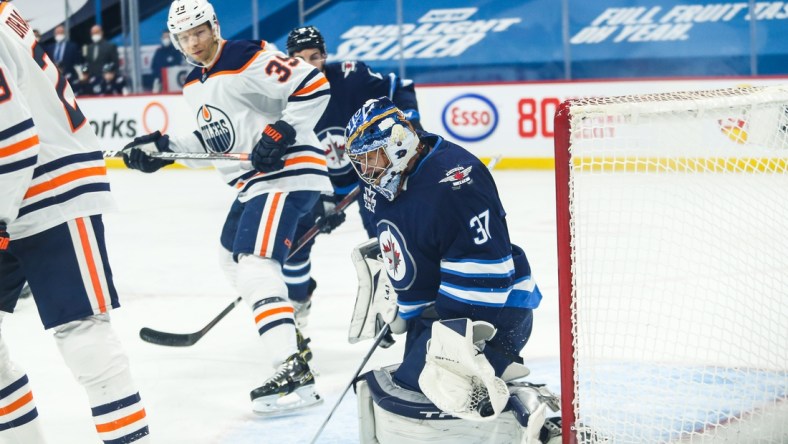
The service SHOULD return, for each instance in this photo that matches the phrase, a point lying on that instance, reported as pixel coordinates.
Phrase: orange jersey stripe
(272, 312)
(310, 88)
(304, 159)
(94, 279)
(269, 223)
(288, 162)
(19, 146)
(16, 405)
(120, 423)
(64, 179)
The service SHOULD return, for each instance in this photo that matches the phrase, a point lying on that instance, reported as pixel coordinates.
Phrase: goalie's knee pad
(391, 414)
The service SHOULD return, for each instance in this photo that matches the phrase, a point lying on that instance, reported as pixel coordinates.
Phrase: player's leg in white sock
(94, 355)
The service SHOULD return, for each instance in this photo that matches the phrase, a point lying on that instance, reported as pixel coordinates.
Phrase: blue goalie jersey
(445, 244)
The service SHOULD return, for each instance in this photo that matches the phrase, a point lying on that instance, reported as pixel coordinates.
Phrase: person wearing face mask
(65, 54)
(100, 52)
(165, 56)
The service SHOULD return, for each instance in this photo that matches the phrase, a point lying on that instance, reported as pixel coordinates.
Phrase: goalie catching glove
(136, 155)
(272, 146)
(457, 377)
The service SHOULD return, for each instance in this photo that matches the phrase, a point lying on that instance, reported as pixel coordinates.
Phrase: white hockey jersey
(51, 168)
(246, 88)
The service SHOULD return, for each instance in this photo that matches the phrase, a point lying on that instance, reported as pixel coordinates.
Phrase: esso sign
(470, 117)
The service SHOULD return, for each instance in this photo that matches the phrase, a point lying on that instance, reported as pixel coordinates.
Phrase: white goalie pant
(389, 414)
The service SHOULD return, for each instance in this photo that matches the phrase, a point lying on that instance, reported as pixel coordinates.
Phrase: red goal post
(672, 223)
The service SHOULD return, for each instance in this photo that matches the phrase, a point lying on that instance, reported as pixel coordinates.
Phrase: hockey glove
(327, 216)
(267, 154)
(4, 237)
(457, 377)
(136, 155)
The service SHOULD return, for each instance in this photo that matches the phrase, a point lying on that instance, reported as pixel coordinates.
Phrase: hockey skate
(291, 388)
(303, 346)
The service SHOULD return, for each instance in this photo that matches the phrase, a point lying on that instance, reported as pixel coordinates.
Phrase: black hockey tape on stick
(188, 339)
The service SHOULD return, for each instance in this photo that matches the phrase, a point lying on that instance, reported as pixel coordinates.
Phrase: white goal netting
(673, 265)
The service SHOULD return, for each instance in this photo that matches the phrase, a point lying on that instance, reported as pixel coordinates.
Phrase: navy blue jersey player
(352, 84)
(443, 240)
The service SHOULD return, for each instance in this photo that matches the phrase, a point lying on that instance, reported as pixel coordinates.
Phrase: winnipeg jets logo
(216, 129)
(348, 67)
(398, 261)
(458, 176)
(333, 142)
(392, 255)
(369, 199)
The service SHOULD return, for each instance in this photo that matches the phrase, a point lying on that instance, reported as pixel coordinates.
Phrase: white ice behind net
(679, 222)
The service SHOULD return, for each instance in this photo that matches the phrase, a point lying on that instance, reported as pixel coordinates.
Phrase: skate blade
(276, 405)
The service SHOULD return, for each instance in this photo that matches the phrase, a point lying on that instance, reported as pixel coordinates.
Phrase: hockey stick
(188, 339)
(187, 156)
(383, 332)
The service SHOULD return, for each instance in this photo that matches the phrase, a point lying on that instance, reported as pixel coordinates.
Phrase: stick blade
(168, 339)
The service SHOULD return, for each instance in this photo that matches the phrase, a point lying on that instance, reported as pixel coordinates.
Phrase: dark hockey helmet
(305, 37)
(109, 67)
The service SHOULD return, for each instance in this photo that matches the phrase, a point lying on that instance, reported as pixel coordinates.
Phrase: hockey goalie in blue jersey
(464, 292)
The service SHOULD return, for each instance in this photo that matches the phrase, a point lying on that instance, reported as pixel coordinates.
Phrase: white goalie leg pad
(390, 414)
(262, 285)
(376, 301)
(529, 402)
(457, 377)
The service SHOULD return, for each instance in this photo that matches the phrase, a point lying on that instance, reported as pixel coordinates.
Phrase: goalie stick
(188, 339)
(383, 332)
(187, 156)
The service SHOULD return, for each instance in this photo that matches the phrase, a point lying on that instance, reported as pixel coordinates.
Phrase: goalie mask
(381, 145)
(188, 14)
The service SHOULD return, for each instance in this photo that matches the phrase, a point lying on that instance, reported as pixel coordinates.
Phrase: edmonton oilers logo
(216, 128)
(397, 260)
(332, 140)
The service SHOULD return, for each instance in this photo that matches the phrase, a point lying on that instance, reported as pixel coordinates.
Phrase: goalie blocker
(392, 414)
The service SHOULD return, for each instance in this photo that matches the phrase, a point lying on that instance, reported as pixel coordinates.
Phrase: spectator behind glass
(86, 85)
(65, 54)
(112, 83)
(165, 56)
(100, 52)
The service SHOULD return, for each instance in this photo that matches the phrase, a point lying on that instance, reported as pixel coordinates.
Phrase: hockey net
(672, 217)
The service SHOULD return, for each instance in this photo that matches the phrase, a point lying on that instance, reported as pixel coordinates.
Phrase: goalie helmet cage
(672, 223)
